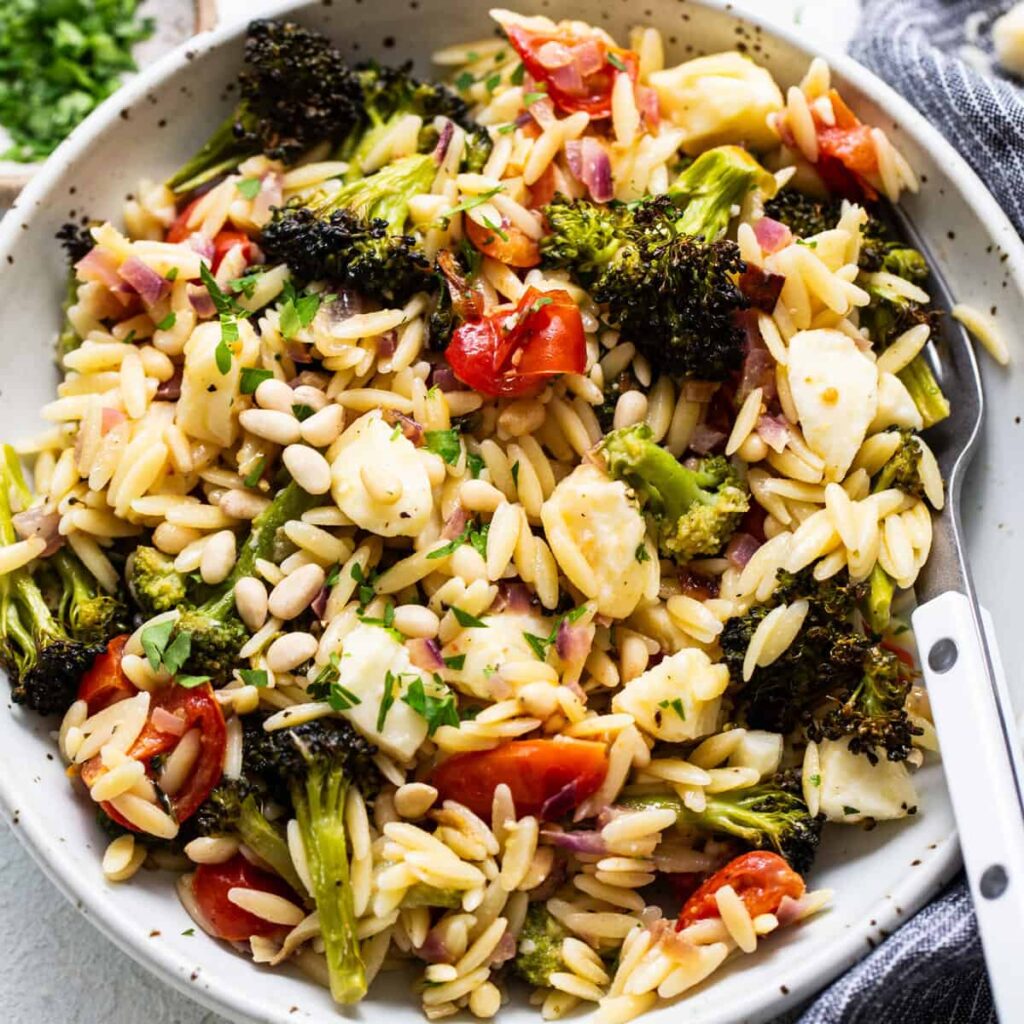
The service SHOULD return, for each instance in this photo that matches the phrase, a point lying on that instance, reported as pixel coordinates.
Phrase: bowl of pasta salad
(461, 561)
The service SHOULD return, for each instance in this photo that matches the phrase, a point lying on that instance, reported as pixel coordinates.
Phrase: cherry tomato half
(761, 879)
(223, 241)
(105, 684)
(534, 770)
(596, 65)
(846, 153)
(512, 353)
(505, 243)
(211, 884)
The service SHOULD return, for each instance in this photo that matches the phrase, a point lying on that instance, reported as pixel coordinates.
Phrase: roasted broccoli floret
(769, 816)
(695, 510)
(804, 215)
(320, 760)
(477, 150)
(43, 661)
(874, 715)
(826, 656)
(233, 808)
(215, 632)
(155, 585)
(296, 91)
(356, 235)
(585, 236)
(712, 186)
(89, 614)
(539, 952)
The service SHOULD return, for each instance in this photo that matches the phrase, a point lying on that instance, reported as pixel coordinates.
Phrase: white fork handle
(984, 772)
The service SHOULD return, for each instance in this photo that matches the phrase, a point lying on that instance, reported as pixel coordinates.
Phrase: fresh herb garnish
(455, 662)
(154, 642)
(616, 62)
(436, 709)
(191, 682)
(249, 187)
(529, 98)
(387, 699)
(327, 686)
(301, 411)
(642, 554)
(515, 474)
(253, 477)
(464, 81)
(467, 621)
(445, 443)
(252, 377)
(676, 704)
(475, 464)
(254, 677)
(222, 354)
(518, 74)
(297, 311)
(167, 322)
(228, 311)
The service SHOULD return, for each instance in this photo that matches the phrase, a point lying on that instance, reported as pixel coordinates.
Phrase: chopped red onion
(554, 54)
(577, 842)
(590, 55)
(774, 431)
(444, 141)
(199, 243)
(706, 439)
(573, 642)
(167, 722)
(146, 281)
(589, 162)
(319, 603)
(455, 523)
(425, 654)
(200, 300)
(647, 103)
(790, 910)
(741, 549)
(98, 265)
(270, 195)
(504, 951)
(434, 950)
(411, 430)
(37, 522)
(170, 390)
(695, 585)
(443, 378)
(386, 344)
(772, 235)
(568, 80)
(513, 596)
(559, 804)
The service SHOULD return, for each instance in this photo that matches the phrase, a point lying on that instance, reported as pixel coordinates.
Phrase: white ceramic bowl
(880, 877)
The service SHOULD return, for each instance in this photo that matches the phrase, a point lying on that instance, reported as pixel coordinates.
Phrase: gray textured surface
(57, 968)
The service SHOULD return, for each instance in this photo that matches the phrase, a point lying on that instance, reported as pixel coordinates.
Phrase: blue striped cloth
(932, 971)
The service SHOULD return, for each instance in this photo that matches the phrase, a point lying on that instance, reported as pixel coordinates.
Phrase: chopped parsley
(171, 275)
(676, 704)
(327, 686)
(253, 477)
(466, 620)
(222, 355)
(642, 554)
(815, 780)
(529, 98)
(541, 645)
(616, 62)
(249, 187)
(252, 378)
(254, 677)
(517, 76)
(246, 284)
(228, 311)
(436, 709)
(469, 204)
(445, 443)
(168, 321)
(154, 642)
(191, 682)
(455, 662)
(475, 464)
(492, 82)
(388, 698)
(850, 810)
(488, 223)
(301, 411)
(297, 311)
(464, 81)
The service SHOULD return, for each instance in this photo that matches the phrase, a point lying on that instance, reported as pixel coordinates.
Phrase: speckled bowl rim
(892, 909)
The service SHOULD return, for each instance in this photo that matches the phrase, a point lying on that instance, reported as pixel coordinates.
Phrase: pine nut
(172, 540)
(241, 504)
(753, 449)
(271, 425)
(275, 394)
(414, 799)
(293, 594)
(480, 496)
(251, 601)
(323, 427)
(290, 651)
(630, 409)
(306, 394)
(218, 557)
(381, 484)
(485, 1000)
(467, 563)
(416, 621)
(308, 467)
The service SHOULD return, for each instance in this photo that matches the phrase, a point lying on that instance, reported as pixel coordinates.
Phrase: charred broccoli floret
(356, 235)
(215, 632)
(43, 661)
(89, 614)
(539, 952)
(296, 90)
(155, 585)
(320, 760)
(585, 236)
(769, 816)
(826, 656)
(695, 510)
(874, 715)
(804, 215)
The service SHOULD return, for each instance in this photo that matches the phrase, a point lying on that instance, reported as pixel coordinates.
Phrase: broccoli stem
(267, 842)
(319, 808)
(919, 380)
(30, 597)
(221, 153)
(879, 602)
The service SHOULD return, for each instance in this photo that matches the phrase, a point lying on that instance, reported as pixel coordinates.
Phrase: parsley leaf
(642, 554)
(517, 76)
(515, 474)
(469, 204)
(254, 676)
(252, 378)
(297, 311)
(676, 704)
(387, 699)
(616, 62)
(253, 477)
(228, 310)
(475, 464)
(249, 187)
(529, 98)
(154, 642)
(436, 710)
(301, 411)
(177, 651)
(466, 620)
(464, 81)
(191, 682)
(455, 662)
(167, 322)
(222, 354)
(850, 810)
(445, 443)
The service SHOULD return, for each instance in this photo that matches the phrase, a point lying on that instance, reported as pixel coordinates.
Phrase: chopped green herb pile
(58, 60)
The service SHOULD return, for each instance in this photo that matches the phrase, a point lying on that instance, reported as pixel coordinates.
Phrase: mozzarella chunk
(369, 446)
(368, 655)
(207, 395)
(759, 750)
(835, 391)
(852, 789)
(718, 99)
(688, 677)
(595, 531)
(486, 650)
(895, 406)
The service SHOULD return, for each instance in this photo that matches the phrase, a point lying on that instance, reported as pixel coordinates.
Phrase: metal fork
(970, 704)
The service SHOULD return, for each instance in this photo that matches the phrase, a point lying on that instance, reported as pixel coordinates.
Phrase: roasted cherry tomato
(105, 684)
(511, 353)
(179, 231)
(577, 71)
(547, 778)
(198, 709)
(846, 153)
(505, 243)
(761, 880)
(211, 884)
(223, 241)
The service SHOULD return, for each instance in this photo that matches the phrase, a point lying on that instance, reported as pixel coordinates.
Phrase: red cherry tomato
(516, 248)
(761, 879)
(223, 241)
(211, 884)
(105, 684)
(198, 709)
(846, 153)
(179, 230)
(512, 353)
(534, 770)
(588, 85)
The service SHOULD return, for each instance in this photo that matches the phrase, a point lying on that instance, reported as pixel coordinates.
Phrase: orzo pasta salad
(479, 521)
